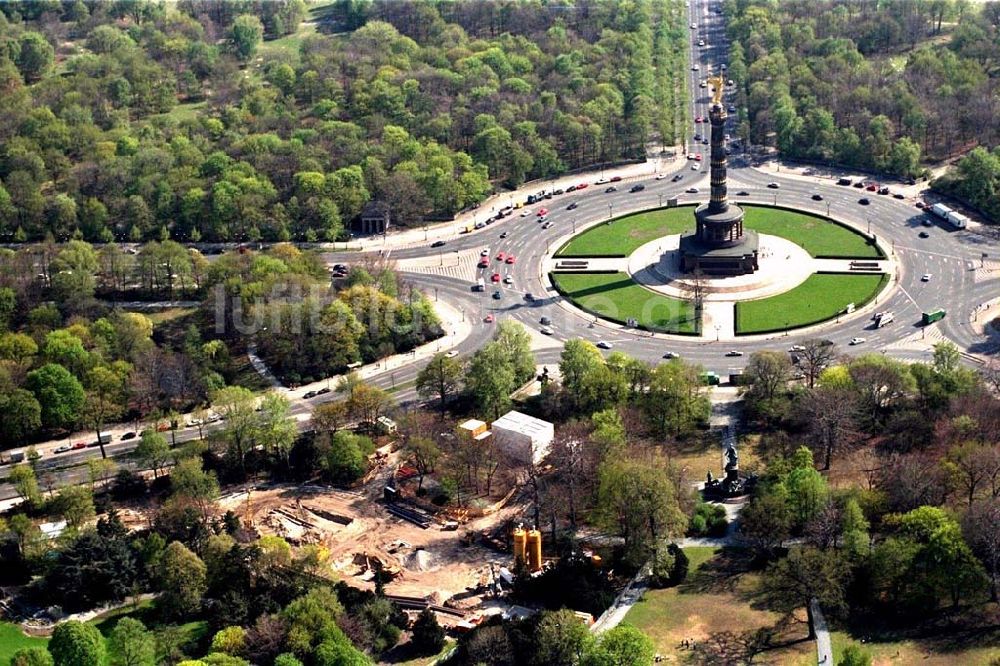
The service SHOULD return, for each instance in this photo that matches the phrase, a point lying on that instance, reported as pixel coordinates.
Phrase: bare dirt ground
(430, 563)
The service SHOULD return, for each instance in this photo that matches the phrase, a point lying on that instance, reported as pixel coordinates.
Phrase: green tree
(35, 56)
(427, 636)
(153, 452)
(621, 645)
(32, 656)
(490, 380)
(345, 461)
(674, 403)
(59, 393)
(22, 477)
(22, 416)
(131, 644)
(637, 499)
(440, 378)
(246, 34)
(807, 574)
(77, 644)
(230, 640)
(105, 398)
(854, 655)
(181, 580)
(561, 638)
(76, 505)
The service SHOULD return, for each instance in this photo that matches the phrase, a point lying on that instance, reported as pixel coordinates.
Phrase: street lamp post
(661, 200)
(574, 225)
(611, 208)
(869, 225)
(828, 209)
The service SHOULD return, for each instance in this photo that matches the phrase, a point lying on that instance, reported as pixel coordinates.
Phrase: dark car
(860, 184)
(528, 296)
(742, 193)
(773, 186)
(924, 234)
(497, 295)
(883, 190)
(323, 391)
(734, 353)
(128, 435)
(572, 206)
(677, 178)
(864, 201)
(545, 321)
(898, 195)
(557, 192)
(438, 244)
(611, 189)
(504, 234)
(309, 394)
(817, 197)
(844, 181)
(637, 188)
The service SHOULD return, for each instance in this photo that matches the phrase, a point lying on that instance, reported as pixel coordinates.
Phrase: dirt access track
(429, 563)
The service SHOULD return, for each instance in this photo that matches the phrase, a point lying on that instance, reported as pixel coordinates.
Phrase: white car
(926, 277)
(695, 166)
(671, 355)
(526, 212)
(63, 449)
(701, 42)
(452, 354)
(695, 68)
(545, 330)
(602, 344)
(508, 280)
(485, 252)
(694, 26)
(691, 190)
(857, 341)
(661, 176)
(796, 348)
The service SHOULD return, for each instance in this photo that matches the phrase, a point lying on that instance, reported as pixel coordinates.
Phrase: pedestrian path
(824, 646)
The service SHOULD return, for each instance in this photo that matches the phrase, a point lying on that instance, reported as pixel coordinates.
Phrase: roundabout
(808, 270)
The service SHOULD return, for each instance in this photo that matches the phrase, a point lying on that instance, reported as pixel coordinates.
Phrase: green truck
(932, 316)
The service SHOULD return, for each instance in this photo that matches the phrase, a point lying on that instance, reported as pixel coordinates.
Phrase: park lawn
(822, 296)
(713, 599)
(703, 453)
(929, 653)
(817, 236)
(617, 297)
(622, 236)
(13, 639)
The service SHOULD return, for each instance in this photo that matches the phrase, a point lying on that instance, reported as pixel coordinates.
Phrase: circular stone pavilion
(718, 246)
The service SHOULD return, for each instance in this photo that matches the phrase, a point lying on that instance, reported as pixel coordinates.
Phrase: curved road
(449, 272)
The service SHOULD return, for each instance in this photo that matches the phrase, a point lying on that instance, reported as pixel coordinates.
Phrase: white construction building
(523, 438)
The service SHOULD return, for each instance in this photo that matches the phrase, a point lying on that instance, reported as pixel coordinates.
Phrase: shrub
(428, 636)
(708, 520)
(669, 566)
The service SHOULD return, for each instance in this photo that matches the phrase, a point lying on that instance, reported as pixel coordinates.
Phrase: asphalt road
(952, 257)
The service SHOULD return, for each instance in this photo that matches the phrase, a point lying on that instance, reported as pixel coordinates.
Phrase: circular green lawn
(818, 236)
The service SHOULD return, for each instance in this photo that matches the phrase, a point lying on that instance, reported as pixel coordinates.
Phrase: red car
(79, 445)
(500, 256)
(542, 211)
(872, 187)
(495, 277)
(616, 179)
(484, 262)
(511, 259)
(697, 158)
(488, 319)
(583, 186)
(699, 119)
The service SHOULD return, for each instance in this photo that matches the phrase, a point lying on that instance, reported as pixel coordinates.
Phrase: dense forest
(86, 363)
(875, 85)
(239, 120)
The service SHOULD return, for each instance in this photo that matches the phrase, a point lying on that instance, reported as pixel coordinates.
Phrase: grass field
(618, 297)
(13, 639)
(818, 237)
(819, 298)
(715, 598)
(978, 650)
(624, 235)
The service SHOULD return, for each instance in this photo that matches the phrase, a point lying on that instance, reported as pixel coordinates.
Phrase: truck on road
(952, 217)
(932, 316)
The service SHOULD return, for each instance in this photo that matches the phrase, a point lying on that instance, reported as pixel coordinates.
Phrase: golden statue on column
(717, 83)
